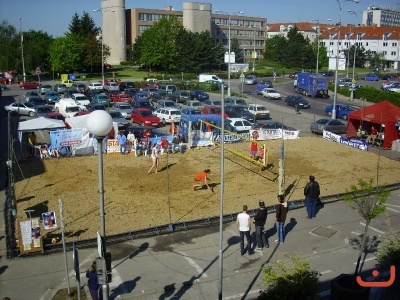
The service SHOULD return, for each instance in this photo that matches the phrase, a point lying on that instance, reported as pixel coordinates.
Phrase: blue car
(100, 99)
(51, 97)
(342, 110)
(371, 77)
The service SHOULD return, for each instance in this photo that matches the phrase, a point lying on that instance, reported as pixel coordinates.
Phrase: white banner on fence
(273, 134)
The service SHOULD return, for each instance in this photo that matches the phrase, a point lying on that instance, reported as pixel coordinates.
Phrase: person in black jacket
(311, 193)
(281, 209)
(259, 222)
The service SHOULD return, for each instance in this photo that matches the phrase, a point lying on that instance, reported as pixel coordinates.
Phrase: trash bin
(83, 77)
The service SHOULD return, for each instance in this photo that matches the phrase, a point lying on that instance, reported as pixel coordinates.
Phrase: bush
(389, 251)
(290, 280)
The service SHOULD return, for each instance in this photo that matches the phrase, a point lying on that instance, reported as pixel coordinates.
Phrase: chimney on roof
(169, 8)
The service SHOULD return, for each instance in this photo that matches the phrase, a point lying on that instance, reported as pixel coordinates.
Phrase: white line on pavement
(393, 205)
(356, 233)
(325, 272)
(373, 228)
(368, 259)
(194, 265)
(392, 209)
(241, 295)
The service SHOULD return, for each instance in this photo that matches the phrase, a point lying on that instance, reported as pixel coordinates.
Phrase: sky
(54, 16)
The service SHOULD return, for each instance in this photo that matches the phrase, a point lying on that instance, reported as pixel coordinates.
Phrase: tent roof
(379, 113)
(40, 124)
(77, 122)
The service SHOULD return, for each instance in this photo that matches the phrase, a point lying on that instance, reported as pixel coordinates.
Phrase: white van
(209, 77)
(67, 107)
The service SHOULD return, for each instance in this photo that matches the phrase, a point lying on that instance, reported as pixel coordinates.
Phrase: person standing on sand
(154, 158)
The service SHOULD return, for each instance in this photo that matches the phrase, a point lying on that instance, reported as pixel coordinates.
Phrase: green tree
(369, 202)
(235, 47)
(36, 49)
(10, 50)
(298, 52)
(290, 280)
(66, 53)
(273, 48)
(83, 26)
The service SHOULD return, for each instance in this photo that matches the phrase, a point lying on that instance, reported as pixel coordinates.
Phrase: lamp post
(316, 69)
(22, 49)
(254, 49)
(229, 46)
(354, 55)
(99, 123)
(337, 55)
(102, 43)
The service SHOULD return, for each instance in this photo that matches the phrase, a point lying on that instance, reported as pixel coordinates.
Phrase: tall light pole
(354, 55)
(314, 20)
(254, 49)
(337, 55)
(229, 46)
(99, 124)
(102, 42)
(22, 49)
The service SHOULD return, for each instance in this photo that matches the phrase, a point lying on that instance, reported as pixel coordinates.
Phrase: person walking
(243, 221)
(259, 221)
(202, 176)
(121, 138)
(281, 211)
(311, 193)
(154, 158)
(93, 283)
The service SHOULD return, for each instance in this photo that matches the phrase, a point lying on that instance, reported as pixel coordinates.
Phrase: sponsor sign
(354, 143)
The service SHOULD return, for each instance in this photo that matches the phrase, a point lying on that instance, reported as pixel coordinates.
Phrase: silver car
(119, 119)
(250, 79)
(25, 108)
(124, 108)
(331, 125)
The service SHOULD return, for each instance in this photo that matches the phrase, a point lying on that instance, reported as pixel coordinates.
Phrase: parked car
(236, 111)
(193, 104)
(250, 79)
(191, 111)
(122, 98)
(168, 114)
(131, 91)
(331, 125)
(100, 99)
(51, 97)
(371, 77)
(43, 110)
(328, 73)
(145, 117)
(343, 81)
(260, 111)
(166, 103)
(143, 104)
(235, 101)
(96, 106)
(125, 84)
(95, 86)
(271, 94)
(124, 108)
(293, 100)
(240, 125)
(44, 88)
(140, 96)
(35, 100)
(270, 124)
(342, 110)
(81, 87)
(29, 85)
(60, 88)
(180, 96)
(69, 91)
(212, 102)
(386, 77)
(118, 118)
(55, 116)
(90, 93)
(148, 91)
(110, 86)
(199, 95)
(390, 86)
(213, 110)
(31, 94)
(159, 95)
(82, 113)
(21, 108)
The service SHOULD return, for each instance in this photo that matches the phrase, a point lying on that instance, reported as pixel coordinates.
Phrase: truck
(67, 107)
(209, 78)
(311, 85)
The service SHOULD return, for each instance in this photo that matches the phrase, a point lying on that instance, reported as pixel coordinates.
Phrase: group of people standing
(243, 220)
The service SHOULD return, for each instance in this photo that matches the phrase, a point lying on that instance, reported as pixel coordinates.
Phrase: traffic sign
(38, 71)
(353, 81)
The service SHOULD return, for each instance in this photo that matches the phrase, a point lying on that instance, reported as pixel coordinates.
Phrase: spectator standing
(311, 193)
(164, 144)
(243, 221)
(260, 157)
(32, 142)
(132, 140)
(121, 138)
(253, 149)
(175, 144)
(200, 177)
(154, 158)
(281, 212)
(93, 283)
(259, 221)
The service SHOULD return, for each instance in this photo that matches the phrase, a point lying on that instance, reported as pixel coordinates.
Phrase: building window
(393, 53)
(394, 44)
(385, 44)
(366, 44)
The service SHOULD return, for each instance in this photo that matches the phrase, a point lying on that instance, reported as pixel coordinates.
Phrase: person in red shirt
(260, 157)
(253, 149)
(372, 137)
(199, 177)
(164, 144)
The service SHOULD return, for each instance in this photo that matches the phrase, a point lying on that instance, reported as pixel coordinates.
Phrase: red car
(213, 110)
(122, 98)
(56, 116)
(144, 117)
(82, 113)
(29, 85)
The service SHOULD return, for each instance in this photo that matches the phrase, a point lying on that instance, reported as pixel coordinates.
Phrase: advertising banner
(274, 134)
(355, 143)
(68, 137)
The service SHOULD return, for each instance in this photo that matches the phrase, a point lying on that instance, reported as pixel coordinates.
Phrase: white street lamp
(99, 123)
(229, 46)
(22, 49)
(102, 42)
(337, 55)
(354, 55)
(254, 48)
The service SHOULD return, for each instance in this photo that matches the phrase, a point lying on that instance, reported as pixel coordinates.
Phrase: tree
(66, 53)
(36, 49)
(290, 280)
(10, 47)
(83, 26)
(235, 47)
(369, 202)
(273, 48)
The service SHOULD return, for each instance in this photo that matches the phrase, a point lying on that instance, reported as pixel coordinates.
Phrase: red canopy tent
(383, 116)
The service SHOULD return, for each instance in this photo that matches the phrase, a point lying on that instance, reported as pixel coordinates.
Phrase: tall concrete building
(197, 16)
(114, 29)
(381, 17)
